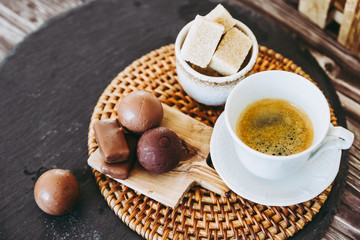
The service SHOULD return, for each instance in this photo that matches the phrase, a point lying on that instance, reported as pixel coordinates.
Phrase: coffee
(275, 127)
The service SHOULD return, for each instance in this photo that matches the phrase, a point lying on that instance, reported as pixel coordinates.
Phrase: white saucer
(306, 184)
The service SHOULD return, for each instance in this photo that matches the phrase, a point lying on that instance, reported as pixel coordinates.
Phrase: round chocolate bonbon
(139, 111)
(56, 191)
(159, 150)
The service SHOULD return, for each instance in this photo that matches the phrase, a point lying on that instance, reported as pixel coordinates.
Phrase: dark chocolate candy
(109, 136)
(121, 170)
(139, 111)
(159, 150)
(56, 191)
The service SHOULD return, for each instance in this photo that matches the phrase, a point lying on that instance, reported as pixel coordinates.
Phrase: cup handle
(336, 138)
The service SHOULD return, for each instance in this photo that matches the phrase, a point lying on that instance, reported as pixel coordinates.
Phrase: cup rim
(267, 156)
(254, 54)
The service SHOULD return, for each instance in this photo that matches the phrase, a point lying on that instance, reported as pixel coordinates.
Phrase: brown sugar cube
(206, 71)
(231, 52)
(122, 170)
(111, 140)
(220, 15)
(201, 41)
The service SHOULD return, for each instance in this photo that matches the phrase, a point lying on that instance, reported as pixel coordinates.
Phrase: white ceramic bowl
(207, 89)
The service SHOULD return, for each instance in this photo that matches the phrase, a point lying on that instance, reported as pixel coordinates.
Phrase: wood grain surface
(20, 17)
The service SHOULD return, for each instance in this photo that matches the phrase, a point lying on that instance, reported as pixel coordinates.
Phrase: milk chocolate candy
(117, 170)
(139, 111)
(122, 170)
(56, 191)
(110, 137)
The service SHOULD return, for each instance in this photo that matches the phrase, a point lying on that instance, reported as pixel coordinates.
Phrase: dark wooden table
(21, 17)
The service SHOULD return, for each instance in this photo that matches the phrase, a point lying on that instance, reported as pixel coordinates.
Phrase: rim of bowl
(254, 54)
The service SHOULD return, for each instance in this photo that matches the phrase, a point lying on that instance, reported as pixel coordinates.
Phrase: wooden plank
(354, 126)
(345, 219)
(349, 33)
(18, 18)
(334, 15)
(342, 81)
(353, 179)
(291, 19)
(348, 89)
(334, 234)
(346, 222)
(9, 32)
(4, 46)
(350, 106)
(316, 10)
(339, 5)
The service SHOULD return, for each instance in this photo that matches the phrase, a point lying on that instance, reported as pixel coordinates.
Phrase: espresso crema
(275, 127)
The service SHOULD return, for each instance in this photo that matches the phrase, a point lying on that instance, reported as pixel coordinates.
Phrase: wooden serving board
(169, 188)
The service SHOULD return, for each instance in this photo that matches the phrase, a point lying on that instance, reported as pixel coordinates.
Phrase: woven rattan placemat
(202, 214)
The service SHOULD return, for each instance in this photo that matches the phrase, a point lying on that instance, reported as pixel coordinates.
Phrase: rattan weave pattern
(202, 214)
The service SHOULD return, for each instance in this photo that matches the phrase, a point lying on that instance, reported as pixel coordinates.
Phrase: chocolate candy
(140, 111)
(117, 170)
(110, 138)
(159, 150)
(121, 170)
(56, 191)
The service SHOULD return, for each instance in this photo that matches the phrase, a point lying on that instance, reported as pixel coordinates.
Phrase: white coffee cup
(299, 91)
